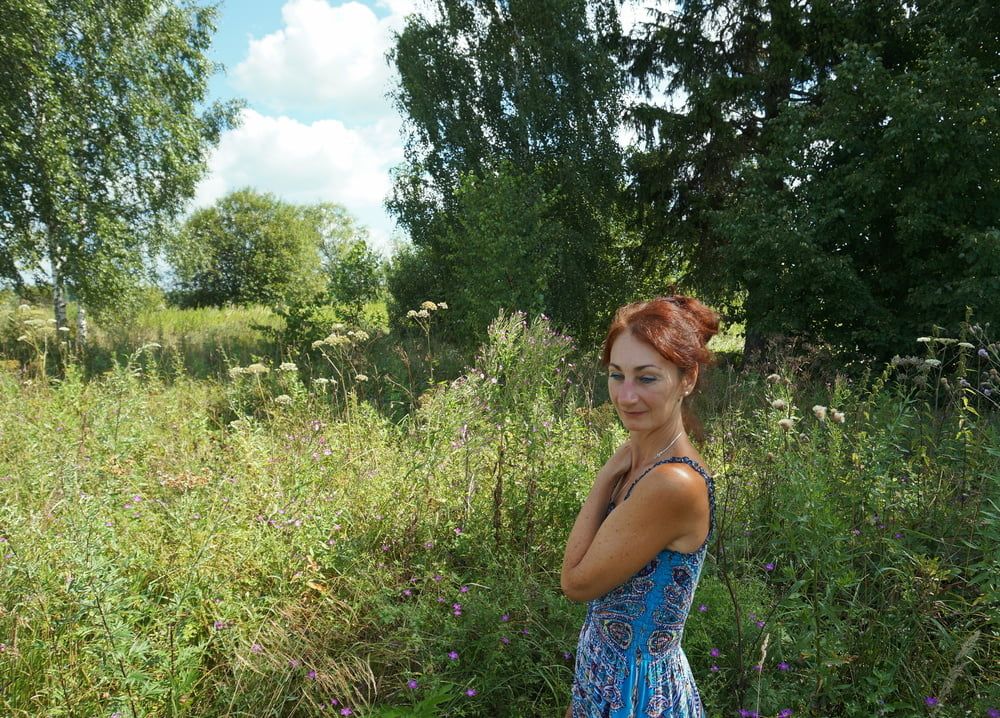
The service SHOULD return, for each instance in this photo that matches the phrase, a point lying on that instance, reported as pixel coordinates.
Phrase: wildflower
(993, 713)
(714, 668)
(773, 378)
(411, 314)
(361, 335)
(361, 377)
(63, 329)
(760, 624)
(924, 340)
(220, 625)
(23, 338)
(429, 306)
(897, 535)
(505, 618)
(346, 712)
(779, 404)
(966, 345)
(856, 532)
(256, 648)
(783, 666)
(504, 640)
(442, 305)
(567, 655)
(471, 692)
(256, 368)
(437, 578)
(768, 566)
(932, 362)
(786, 424)
(820, 411)
(283, 399)
(702, 607)
(838, 416)
(785, 713)
(412, 684)
(453, 655)
(311, 675)
(463, 589)
(458, 531)
(714, 653)
(423, 314)
(321, 381)
(983, 354)
(407, 592)
(931, 701)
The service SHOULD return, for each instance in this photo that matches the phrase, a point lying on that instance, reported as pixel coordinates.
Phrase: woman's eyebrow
(638, 368)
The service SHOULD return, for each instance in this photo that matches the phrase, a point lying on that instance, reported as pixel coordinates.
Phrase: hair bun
(705, 321)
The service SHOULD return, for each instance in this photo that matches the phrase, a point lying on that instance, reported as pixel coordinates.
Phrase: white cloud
(320, 161)
(326, 58)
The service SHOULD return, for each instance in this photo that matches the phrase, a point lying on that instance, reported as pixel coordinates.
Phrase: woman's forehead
(629, 352)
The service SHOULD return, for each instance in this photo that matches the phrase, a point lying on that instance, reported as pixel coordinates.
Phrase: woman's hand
(618, 465)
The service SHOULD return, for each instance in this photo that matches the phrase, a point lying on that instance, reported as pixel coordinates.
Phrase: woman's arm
(592, 513)
(664, 506)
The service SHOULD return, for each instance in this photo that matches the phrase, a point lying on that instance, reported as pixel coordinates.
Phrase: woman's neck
(656, 444)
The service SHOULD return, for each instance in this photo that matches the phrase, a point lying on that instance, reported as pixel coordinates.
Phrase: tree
(774, 179)
(503, 94)
(355, 272)
(249, 247)
(104, 135)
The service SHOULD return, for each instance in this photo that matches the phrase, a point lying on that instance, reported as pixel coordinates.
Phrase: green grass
(183, 546)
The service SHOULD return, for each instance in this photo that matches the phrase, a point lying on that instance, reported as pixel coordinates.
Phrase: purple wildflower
(931, 701)
(453, 655)
(783, 666)
(714, 653)
(702, 607)
(471, 692)
(412, 684)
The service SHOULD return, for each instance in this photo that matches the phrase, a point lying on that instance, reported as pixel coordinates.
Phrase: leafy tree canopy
(103, 135)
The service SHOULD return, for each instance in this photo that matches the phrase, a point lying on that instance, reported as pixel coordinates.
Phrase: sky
(318, 125)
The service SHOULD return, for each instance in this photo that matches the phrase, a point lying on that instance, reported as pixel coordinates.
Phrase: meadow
(193, 523)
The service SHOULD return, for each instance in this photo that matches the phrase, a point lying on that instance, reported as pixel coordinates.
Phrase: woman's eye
(614, 375)
(647, 379)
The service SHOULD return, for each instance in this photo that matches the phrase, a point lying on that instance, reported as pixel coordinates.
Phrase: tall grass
(269, 545)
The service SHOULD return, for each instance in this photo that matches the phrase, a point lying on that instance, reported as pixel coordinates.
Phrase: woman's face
(645, 388)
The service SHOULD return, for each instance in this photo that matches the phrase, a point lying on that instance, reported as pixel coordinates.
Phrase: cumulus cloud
(309, 162)
(326, 58)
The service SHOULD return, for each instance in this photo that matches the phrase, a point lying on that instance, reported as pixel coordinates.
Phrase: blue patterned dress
(629, 660)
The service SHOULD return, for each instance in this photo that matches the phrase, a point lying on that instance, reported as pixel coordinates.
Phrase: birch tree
(104, 132)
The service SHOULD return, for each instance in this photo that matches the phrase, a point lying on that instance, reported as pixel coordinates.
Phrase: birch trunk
(81, 326)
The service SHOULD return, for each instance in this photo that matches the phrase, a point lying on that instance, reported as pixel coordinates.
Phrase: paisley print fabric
(629, 660)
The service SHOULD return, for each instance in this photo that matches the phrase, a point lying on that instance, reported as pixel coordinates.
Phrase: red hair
(677, 327)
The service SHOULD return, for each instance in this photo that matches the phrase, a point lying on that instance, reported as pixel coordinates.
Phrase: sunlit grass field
(268, 540)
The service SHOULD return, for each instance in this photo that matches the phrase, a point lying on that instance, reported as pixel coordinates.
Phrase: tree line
(821, 170)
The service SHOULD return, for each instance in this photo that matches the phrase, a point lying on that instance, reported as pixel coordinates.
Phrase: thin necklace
(660, 452)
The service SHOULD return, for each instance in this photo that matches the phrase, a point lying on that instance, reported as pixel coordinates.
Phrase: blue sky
(318, 125)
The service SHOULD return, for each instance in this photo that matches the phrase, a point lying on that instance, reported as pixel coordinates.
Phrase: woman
(636, 550)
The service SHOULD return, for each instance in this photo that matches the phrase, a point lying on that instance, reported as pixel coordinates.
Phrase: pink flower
(463, 589)
(411, 684)
(702, 608)
(714, 653)
(471, 692)
(453, 655)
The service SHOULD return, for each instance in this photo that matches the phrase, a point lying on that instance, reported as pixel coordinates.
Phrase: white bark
(81, 326)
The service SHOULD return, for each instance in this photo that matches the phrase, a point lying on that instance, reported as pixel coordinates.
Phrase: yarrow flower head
(820, 411)
(288, 366)
(786, 424)
(283, 399)
(429, 306)
(779, 404)
(256, 368)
